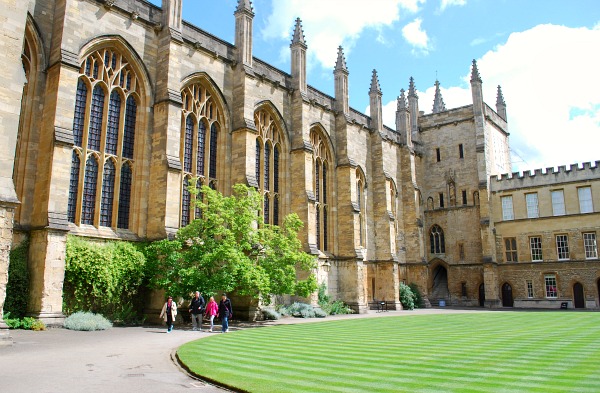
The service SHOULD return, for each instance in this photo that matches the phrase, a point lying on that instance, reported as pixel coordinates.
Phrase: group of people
(199, 309)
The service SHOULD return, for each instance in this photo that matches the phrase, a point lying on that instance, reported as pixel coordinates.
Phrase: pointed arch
(205, 119)
(437, 242)
(270, 159)
(209, 84)
(323, 166)
(113, 85)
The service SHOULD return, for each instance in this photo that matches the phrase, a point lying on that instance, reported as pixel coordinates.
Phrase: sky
(545, 54)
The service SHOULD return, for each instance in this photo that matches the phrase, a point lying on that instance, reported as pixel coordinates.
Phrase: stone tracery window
(321, 162)
(267, 164)
(199, 146)
(103, 135)
(436, 240)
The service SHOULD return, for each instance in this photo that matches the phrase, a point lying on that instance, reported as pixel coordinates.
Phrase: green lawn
(472, 352)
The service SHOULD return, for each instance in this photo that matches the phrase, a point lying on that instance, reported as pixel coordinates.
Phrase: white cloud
(449, 3)
(549, 80)
(416, 36)
(327, 25)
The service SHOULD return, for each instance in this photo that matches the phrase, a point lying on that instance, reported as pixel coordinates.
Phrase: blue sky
(544, 53)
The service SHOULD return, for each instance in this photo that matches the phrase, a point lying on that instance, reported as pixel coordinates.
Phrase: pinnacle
(375, 88)
(500, 97)
(401, 101)
(438, 101)
(244, 5)
(298, 37)
(412, 90)
(475, 73)
(340, 64)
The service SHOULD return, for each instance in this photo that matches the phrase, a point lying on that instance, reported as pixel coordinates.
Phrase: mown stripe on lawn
(461, 352)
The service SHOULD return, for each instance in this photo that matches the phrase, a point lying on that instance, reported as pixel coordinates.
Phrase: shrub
(330, 307)
(104, 278)
(270, 314)
(407, 297)
(17, 288)
(302, 310)
(27, 323)
(418, 297)
(87, 321)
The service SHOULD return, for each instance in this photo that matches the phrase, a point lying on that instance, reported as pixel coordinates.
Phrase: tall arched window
(392, 196)
(267, 165)
(199, 145)
(104, 135)
(436, 240)
(321, 160)
(361, 205)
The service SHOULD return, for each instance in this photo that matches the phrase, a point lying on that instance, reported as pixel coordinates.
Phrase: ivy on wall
(105, 278)
(17, 288)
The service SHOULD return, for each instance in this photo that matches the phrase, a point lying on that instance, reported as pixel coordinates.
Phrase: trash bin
(442, 303)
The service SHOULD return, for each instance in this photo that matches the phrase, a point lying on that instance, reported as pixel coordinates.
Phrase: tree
(227, 250)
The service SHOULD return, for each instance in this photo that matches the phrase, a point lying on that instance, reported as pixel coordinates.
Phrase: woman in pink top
(211, 311)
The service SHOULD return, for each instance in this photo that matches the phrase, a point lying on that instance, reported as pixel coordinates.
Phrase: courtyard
(512, 351)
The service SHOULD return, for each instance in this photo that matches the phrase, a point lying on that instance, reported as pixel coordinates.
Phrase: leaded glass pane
(96, 114)
(108, 193)
(124, 197)
(185, 203)
(213, 152)
(276, 169)
(112, 129)
(266, 209)
(201, 149)
(187, 144)
(129, 130)
(257, 162)
(267, 166)
(324, 183)
(89, 191)
(325, 229)
(73, 187)
(80, 108)
(276, 211)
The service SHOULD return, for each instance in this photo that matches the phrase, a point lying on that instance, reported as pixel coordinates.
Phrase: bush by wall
(87, 321)
(17, 288)
(26, 323)
(329, 306)
(418, 297)
(104, 278)
(407, 297)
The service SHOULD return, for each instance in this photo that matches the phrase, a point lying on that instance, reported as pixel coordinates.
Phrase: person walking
(211, 311)
(196, 310)
(225, 312)
(169, 312)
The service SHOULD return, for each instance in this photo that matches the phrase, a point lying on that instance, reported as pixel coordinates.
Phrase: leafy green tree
(227, 250)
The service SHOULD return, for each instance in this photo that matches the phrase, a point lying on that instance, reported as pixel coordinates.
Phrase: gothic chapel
(110, 107)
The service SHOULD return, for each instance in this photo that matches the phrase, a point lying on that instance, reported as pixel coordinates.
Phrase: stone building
(112, 106)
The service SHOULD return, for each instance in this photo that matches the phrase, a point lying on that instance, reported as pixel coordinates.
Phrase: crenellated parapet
(549, 176)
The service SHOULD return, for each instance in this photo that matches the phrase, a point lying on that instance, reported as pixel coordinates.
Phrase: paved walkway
(138, 359)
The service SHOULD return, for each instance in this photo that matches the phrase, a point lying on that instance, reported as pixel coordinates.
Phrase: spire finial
(401, 100)
(438, 101)
(500, 97)
(244, 5)
(412, 90)
(475, 73)
(298, 37)
(340, 64)
(375, 88)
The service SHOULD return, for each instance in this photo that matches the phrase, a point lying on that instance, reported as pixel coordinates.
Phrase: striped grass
(472, 352)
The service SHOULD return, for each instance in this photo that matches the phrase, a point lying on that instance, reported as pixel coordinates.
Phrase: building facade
(113, 106)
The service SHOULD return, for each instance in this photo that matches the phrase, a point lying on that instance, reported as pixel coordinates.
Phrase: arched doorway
(578, 299)
(440, 284)
(507, 296)
(482, 295)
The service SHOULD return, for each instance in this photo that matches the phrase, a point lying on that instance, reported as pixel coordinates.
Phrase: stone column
(490, 281)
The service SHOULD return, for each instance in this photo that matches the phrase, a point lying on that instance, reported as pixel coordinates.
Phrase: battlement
(539, 177)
